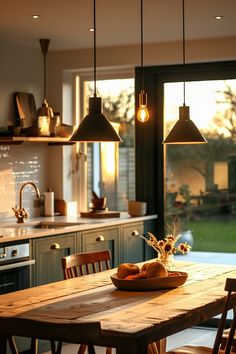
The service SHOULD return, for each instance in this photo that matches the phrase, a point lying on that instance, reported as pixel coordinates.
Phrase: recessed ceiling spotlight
(91, 29)
(219, 17)
(35, 17)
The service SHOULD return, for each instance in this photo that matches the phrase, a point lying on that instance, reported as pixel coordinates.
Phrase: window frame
(150, 151)
(79, 177)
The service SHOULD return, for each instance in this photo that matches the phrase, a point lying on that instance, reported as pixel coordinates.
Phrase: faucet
(20, 212)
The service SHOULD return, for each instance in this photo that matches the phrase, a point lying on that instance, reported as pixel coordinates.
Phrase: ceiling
(67, 22)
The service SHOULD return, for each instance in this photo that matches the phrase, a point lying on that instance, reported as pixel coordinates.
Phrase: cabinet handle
(55, 246)
(135, 233)
(100, 238)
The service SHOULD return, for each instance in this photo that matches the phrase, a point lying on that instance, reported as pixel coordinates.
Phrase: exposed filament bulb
(143, 114)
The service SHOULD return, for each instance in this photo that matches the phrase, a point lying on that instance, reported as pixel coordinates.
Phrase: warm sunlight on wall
(110, 156)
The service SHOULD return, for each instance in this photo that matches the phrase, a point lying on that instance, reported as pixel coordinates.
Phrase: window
(200, 183)
(195, 182)
(111, 166)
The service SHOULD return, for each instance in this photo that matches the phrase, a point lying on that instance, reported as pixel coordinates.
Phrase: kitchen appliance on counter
(15, 266)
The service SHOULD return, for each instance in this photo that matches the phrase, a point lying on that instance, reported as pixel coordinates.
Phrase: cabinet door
(101, 239)
(132, 250)
(150, 226)
(47, 252)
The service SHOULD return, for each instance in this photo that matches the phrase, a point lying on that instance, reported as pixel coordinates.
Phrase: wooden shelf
(15, 140)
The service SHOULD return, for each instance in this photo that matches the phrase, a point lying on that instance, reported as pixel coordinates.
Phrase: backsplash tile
(20, 164)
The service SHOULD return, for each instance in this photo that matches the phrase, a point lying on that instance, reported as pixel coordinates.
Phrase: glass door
(200, 180)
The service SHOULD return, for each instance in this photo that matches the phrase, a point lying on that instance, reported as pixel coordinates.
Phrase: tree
(215, 150)
(221, 142)
(227, 123)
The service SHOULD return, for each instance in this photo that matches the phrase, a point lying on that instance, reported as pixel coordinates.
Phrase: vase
(167, 260)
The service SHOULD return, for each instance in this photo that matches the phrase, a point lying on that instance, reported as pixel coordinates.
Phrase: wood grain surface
(129, 319)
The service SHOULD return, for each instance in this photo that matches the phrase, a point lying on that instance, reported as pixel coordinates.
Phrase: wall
(19, 164)
(20, 70)
(129, 56)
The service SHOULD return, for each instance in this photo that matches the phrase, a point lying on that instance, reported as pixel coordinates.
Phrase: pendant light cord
(44, 44)
(45, 75)
(94, 49)
(184, 55)
(141, 21)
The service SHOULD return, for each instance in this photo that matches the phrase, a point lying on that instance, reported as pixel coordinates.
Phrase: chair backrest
(230, 287)
(80, 264)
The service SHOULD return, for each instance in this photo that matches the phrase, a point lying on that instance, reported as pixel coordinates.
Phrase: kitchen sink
(43, 225)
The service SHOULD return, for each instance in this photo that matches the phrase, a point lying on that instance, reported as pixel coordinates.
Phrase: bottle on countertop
(49, 203)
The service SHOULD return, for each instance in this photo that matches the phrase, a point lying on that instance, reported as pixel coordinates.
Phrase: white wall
(21, 69)
(154, 54)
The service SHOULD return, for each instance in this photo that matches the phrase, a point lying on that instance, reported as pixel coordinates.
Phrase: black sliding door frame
(149, 149)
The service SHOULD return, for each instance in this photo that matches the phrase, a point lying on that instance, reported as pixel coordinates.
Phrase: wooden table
(129, 320)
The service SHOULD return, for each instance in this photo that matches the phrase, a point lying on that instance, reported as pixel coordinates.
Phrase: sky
(201, 96)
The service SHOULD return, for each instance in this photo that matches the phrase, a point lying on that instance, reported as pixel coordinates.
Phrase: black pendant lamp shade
(184, 131)
(95, 127)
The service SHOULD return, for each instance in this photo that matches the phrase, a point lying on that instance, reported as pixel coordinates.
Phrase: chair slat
(80, 264)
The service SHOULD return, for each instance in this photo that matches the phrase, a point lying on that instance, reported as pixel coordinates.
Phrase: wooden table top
(129, 319)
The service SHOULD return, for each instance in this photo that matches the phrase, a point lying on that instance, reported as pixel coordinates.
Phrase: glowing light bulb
(143, 114)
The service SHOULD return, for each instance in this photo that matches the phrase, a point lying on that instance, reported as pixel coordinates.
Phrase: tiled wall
(20, 164)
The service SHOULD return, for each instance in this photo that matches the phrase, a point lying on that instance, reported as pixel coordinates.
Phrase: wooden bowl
(99, 203)
(155, 283)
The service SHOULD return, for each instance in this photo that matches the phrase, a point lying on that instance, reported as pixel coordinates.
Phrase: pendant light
(45, 113)
(143, 114)
(95, 127)
(184, 131)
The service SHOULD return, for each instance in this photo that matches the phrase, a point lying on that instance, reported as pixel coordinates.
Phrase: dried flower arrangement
(168, 245)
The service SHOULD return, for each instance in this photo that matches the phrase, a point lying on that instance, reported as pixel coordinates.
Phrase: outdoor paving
(208, 257)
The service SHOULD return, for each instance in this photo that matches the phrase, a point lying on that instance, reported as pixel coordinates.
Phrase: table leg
(132, 348)
(3, 345)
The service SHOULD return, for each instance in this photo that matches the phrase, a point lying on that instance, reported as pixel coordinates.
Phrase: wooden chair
(80, 264)
(12, 345)
(230, 287)
(225, 338)
(80, 332)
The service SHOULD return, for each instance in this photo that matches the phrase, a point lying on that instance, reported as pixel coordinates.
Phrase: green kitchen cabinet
(101, 239)
(47, 252)
(132, 250)
(150, 226)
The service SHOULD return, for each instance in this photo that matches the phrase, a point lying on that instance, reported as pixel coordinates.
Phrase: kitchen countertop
(11, 231)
